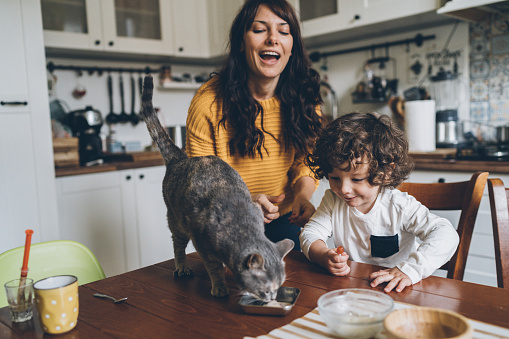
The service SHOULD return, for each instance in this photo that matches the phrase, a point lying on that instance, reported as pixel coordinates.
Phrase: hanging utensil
(133, 117)
(123, 117)
(111, 118)
(140, 88)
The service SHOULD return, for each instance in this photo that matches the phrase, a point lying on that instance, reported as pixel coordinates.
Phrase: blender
(445, 90)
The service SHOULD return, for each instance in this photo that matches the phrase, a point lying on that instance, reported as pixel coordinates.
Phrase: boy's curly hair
(354, 135)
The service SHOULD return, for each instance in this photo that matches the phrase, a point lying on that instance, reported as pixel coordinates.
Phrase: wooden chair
(464, 196)
(499, 203)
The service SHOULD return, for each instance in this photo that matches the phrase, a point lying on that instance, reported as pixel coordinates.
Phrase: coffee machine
(445, 91)
(86, 125)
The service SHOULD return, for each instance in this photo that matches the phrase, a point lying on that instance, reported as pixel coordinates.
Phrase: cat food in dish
(285, 299)
(355, 313)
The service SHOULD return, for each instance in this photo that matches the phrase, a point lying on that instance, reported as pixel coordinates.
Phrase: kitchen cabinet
(326, 21)
(27, 187)
(480, 266)
(91, 212)
(145, 222)
(186, 29)
(119, 215)
(201, 27)
(108, 25)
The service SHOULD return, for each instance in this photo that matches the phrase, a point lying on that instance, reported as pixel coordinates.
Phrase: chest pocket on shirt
(384, 246)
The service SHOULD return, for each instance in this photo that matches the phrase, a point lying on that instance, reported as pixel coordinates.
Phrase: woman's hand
(266, 203)
(394, 276)
(302, 209)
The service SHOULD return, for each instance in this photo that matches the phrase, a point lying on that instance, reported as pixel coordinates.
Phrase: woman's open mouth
(270, 56)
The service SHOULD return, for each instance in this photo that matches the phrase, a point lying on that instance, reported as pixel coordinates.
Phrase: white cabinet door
(221, 14)
(27, 192)
(190, 28)
(318, 20)
(373, 11)
(320, 17)
(91, 212)
(108, 25)
(154, 235)
(142, 26)
(72, 24)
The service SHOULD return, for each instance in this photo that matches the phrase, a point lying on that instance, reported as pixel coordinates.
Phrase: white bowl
(354, 312)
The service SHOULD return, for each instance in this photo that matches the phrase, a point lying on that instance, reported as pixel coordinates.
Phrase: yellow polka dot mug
(56, 299)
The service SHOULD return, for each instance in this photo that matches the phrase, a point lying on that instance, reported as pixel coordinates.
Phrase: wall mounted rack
(418, 40)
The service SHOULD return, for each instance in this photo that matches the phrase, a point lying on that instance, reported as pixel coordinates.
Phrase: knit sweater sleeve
(200, 124)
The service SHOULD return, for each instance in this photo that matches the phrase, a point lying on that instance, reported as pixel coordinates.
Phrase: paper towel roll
(420, 125)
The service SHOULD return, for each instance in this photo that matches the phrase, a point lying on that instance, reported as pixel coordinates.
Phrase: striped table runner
(312, 326)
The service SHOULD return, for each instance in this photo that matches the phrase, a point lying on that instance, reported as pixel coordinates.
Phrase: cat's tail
(170, 152)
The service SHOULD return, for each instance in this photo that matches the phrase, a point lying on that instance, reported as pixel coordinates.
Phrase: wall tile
(489, 71)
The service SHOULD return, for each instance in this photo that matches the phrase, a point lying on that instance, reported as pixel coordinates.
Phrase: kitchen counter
(422, 162)
(461, 165)
(128, 161)
(444, 160)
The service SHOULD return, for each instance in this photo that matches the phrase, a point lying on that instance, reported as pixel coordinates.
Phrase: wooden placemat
(312, 326)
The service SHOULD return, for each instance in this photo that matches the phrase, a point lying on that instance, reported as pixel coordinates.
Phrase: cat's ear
(255, 262)
(284, 246)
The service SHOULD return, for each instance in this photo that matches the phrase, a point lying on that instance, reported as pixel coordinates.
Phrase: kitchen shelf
(369, 101)
(180, 85)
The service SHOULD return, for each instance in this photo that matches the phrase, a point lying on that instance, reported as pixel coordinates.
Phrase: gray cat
(209, 204)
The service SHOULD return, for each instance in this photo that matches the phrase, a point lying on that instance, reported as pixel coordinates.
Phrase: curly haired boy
(365, 158)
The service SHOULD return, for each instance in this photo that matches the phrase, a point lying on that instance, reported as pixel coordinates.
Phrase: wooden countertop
(128, 161)
(425, 162)
(444, 160)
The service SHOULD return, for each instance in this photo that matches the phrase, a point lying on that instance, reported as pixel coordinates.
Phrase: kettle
(85, 120)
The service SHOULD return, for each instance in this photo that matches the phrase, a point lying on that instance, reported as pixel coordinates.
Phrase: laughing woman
(260, 112)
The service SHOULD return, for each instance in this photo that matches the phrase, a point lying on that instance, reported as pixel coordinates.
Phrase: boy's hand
(336, 263)
(394, 276)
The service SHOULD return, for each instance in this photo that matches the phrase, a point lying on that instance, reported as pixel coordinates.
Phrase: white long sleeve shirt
(398, 230)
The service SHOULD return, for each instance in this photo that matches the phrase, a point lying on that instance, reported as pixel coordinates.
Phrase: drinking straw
(24, 268)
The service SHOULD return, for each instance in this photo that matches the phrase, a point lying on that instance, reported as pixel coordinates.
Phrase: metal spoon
(116, 301)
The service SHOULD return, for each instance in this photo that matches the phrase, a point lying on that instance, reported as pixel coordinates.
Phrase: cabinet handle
(356, 17)
(128, 177)
(142, 176)
(13, 103)
(110, 43)
(181, 49)
(441, 180)
(97, 42)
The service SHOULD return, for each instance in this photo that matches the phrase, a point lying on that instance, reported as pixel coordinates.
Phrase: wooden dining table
(159, 306)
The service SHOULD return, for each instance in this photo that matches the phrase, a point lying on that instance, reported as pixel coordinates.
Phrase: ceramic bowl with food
(426, 322)
(355, 313)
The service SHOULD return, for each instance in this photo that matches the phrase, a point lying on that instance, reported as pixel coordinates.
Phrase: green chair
(59, 257)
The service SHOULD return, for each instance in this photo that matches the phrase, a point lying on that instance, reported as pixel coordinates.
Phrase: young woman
(260, 112)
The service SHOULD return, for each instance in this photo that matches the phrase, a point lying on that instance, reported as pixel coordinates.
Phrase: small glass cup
(20, 295)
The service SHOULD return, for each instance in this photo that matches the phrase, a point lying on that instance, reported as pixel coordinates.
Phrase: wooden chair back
(499, 203)
(464, 196)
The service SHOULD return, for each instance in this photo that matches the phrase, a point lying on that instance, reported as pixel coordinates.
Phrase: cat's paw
(220, 291)
(183, 272)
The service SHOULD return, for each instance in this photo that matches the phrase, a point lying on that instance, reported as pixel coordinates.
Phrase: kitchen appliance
(86, 125)
(177, 133)
(445, 91)
(482, 141)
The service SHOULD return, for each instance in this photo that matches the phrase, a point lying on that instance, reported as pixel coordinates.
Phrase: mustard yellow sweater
(276, 173)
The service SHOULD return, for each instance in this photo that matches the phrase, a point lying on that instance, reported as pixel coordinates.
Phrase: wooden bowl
(426, 322)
